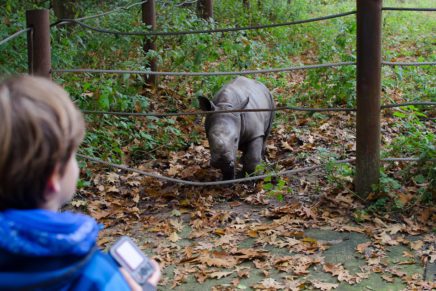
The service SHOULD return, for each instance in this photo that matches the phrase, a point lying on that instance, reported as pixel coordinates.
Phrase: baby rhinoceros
(246, 131)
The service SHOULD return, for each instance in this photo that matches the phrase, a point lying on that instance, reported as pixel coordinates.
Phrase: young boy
(41, 248)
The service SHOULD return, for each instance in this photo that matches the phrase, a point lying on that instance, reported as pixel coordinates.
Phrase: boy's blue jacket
(46, 250)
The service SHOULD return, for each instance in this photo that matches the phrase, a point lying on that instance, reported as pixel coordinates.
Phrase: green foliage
(275, 186)
(405, 37)
(379, 205)
(387, 184)
(416, 138)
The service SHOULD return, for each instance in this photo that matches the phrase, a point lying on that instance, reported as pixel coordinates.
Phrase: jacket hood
(46, 233)
(42, 248)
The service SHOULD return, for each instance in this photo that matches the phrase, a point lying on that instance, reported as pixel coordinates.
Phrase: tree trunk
(205, 8)
(64, 9)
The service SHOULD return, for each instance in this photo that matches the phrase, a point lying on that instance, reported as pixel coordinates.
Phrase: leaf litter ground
(243, 237)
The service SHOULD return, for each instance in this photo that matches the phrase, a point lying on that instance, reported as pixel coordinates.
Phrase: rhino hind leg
(252, 155)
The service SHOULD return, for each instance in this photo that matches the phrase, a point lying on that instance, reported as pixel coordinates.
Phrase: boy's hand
(153, 280)
(155, 277)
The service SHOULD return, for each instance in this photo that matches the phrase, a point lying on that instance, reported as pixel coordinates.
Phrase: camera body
(131, 258)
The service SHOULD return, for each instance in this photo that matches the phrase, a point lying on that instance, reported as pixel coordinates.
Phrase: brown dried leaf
(324, 286)
(394, 229)
(342, 274)
(362, 247)
(174, 237)
(216, 259)
(388, 278)
(417, 245)
(386, 239)
(219, 275)
(268, 284)
(252, 233)
(350, 228)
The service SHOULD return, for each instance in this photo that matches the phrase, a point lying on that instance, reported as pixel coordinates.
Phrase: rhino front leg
(228, 173)
(252, 155)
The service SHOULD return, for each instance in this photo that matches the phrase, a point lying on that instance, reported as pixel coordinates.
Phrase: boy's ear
(53, 185)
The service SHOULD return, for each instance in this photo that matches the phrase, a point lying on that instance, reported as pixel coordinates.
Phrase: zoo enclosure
(368, 17)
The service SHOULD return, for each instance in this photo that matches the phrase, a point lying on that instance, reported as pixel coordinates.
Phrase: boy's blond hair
(40, 128)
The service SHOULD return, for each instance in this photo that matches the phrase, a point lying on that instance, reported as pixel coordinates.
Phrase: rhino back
(255, 124)
(234, 93)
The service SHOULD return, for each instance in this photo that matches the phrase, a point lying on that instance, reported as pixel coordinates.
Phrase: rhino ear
(206, 104)
(244, 103)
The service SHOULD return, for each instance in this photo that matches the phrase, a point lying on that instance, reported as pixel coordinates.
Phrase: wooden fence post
(149, 18)
(369, 19)
(38, 43)
(205, 8)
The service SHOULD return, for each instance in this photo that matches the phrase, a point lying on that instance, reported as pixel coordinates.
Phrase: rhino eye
(236, 139)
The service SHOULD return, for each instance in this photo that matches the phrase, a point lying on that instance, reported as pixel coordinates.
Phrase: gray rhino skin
(246, 131)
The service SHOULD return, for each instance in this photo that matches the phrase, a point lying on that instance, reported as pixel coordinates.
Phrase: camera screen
(130, 255)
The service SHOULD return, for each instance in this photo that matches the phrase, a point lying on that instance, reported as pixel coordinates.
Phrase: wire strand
(281, 108)
(408, 104)
(409, 63)
(407, 9)
(12, 36)
(230, 29)
(284, 108)
(234, 181)
(245, 72)
(214, 183)
(110, 12)
(186, 3)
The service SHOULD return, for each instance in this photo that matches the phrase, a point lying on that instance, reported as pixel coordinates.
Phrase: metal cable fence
(245, 72)
(111, 11)
(233, 181)
(407, 9)
(415, 64)
(186, 3)
(281, 108)
(176, 33)
(15, 35)
(234, 73)
(166, 33)
(231, 29)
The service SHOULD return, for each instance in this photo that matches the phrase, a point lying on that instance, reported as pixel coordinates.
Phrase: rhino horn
(206, 104)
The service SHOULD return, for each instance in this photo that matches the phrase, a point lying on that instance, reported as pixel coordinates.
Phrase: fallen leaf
(216, 259)
(268, 283)
(388, 278)
(386, 239)
(252, 233)
(342, 274)
(324, 286)
(219, 275)
(417, 245)
(174, 237)
(394, 229)
(351, 228)
(113, 189)
(363, 246)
